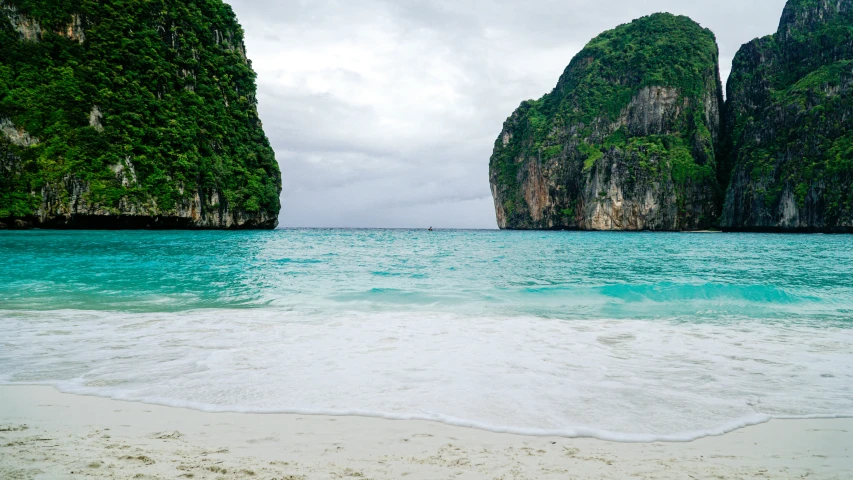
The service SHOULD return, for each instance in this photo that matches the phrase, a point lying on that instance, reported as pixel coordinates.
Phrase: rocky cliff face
(789, 115)
(130, 115)
(626, 141)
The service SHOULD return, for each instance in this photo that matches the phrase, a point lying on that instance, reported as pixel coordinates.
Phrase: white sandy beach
(45, 435)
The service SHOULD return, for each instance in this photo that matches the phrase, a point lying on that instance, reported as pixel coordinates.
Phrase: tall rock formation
(789, 118)
(626, 141)
(135, 114)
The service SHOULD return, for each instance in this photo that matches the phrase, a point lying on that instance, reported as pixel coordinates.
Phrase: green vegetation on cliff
(134, 106)
(789, 110)
(645, 95)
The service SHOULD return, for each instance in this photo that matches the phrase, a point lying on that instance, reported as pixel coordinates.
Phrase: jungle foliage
(790, 103)
(159, 89)
(660, 50)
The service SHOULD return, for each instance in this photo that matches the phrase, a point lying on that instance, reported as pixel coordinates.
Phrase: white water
(626, 380)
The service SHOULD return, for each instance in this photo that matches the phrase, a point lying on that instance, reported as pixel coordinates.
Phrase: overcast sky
(383, 113)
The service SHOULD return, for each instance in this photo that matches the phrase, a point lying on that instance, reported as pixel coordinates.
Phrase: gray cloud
(383, 113)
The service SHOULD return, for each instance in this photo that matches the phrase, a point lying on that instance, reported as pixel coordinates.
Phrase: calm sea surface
(618, 336)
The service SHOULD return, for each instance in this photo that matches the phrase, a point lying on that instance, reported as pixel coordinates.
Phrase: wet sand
(47, 435)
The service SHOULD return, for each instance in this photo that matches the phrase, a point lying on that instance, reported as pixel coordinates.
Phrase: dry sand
(46, 435)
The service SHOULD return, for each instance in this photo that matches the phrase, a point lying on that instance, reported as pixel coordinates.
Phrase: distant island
(130, 115)
(636, 135)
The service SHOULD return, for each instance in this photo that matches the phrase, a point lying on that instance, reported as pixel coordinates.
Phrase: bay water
(630, 337)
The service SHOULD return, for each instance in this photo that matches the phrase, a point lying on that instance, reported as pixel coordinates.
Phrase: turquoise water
(624, 336)
(558, 275)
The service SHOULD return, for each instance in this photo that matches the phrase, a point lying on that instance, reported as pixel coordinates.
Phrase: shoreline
(577, 432)
(47, 434)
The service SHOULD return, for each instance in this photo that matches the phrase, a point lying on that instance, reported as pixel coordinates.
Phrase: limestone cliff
(789, 115)
(626, 141)
(130, 115)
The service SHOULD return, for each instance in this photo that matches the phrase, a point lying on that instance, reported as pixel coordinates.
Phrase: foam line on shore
(628, 380)
(568, 432)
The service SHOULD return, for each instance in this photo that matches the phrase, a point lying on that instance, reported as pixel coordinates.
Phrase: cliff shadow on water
(130, 115)
(636, 135)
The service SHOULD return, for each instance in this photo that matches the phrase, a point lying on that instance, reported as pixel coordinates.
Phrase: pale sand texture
(45, 435)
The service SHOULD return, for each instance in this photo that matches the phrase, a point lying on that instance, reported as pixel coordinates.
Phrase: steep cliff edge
(626, 141)
(134, 114)
(789, 118)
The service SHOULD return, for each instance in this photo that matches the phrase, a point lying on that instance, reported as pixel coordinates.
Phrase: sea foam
(622, 337)
(621, 380)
